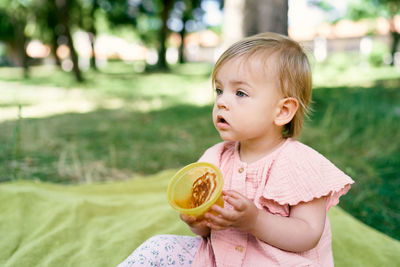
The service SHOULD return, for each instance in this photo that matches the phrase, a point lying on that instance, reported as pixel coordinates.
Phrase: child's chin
(226, 137)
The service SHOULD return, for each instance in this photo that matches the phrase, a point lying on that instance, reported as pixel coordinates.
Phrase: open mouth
(221, 119)
(222, 123)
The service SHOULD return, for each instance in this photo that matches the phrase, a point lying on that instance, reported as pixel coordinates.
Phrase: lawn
(119, 124)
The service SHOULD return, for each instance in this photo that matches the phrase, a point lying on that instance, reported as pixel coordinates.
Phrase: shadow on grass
(71, 147)
(11, 104)
(388, 83)
(356, 128)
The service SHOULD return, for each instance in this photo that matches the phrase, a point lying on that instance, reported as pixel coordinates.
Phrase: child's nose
(221, 102)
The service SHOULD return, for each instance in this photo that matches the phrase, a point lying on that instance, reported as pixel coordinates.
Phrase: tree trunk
(92, 39)
(74, 55)
(22, 46)
(233, 22)
(62, 15)
(265, 16)
(182, 33)
(21, 41)
(247, 17)
(92, 35)
(395, 43)
(54, 50)
(163, 34)
(395, 40)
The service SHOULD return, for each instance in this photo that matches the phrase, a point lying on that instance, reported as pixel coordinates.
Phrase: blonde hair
(292, 67)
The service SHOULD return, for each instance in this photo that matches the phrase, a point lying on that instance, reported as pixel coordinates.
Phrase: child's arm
(198, 227)
(299, 232)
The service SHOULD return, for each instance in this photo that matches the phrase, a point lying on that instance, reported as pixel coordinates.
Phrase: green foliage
(340, 61)
(144, 16)
(6, 28)
(358, 9)
(378, 53)
(325, 6)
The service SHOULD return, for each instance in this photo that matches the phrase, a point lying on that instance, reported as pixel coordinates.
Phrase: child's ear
(287, 108)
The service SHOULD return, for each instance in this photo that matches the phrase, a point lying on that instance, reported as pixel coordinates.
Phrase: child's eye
(241, 93)
(218, 91)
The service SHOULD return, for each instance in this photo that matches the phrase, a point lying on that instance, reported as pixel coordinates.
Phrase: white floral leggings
(164, 250)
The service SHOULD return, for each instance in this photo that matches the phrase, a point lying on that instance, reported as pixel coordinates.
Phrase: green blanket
(100, 225)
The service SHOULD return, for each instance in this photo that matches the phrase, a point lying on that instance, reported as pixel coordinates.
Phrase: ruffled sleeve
(300, 174)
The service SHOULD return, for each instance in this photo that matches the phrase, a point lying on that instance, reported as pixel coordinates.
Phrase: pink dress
(291, 174)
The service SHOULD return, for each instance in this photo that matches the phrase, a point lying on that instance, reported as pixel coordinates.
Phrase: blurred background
(99, 91)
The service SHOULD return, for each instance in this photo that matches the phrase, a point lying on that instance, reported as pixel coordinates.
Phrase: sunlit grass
(116, 86)
(349, 69)
(118, 79)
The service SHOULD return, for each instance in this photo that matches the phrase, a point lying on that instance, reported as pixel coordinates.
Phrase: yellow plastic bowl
(180, 189)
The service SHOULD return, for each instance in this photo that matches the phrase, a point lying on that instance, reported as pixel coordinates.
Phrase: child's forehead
(265, 62)
(251, 70)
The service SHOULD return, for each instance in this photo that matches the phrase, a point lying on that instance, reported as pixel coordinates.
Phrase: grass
(159, 124)
(357, 128)
(106, 144)
(119, 80)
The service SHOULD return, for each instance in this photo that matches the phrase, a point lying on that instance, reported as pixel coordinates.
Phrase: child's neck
(252, 151)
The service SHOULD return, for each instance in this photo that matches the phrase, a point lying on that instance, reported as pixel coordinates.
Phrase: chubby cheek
(214, 116)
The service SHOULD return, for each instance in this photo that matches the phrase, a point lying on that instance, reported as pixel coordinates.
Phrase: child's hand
(243, 215)
(193, 221)
(198, 226)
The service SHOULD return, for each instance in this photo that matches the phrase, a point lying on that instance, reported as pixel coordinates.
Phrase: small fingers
(237, 203)
(217, 222)
(216, 227)
(233, 193)
(202, 223)
(228, 214)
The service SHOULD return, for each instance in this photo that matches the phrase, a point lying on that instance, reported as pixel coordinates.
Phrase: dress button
(241, 169)
(239, 248)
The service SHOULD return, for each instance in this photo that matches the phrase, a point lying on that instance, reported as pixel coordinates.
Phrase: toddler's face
(247, 98)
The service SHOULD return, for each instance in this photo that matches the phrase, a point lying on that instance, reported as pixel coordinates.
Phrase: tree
(151, 20)
(359, 9)
(88, 9)
(62, 10)
(184, 13)
(145, 16)
(163, 34)
(265, 16)
(50, 29)
(248, 17)
(14, 18)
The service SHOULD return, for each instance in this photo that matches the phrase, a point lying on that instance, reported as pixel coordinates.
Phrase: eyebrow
(235, 82)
